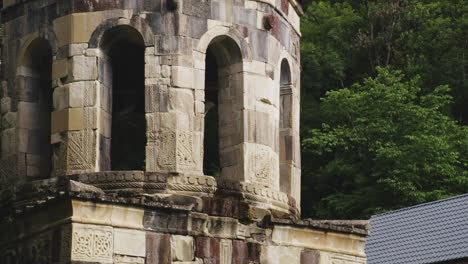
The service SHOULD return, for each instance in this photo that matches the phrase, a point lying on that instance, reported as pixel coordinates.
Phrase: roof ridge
(420, 205)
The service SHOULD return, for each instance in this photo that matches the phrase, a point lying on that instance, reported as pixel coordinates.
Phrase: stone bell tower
(155, 131)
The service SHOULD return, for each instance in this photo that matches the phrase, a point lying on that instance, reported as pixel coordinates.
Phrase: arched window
(223, 97)
(122, 77)
(285, 125)
(34, 108)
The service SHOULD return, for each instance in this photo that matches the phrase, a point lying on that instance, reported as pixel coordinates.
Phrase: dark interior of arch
(211, 164)
(222, 53)
(125, 49)
(36, 91)
(285, 77)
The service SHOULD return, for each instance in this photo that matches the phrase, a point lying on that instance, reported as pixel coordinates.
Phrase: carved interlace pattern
(83, 244)
(92, 244)
(102, 245)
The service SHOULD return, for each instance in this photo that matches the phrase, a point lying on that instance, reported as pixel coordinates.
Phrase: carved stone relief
(165, 144)
(92, 243)
(81, 153)
(185, 146)
(263, 166)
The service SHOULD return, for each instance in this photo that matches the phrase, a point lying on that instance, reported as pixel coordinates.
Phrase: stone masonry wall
(176, 35)
(85, 231)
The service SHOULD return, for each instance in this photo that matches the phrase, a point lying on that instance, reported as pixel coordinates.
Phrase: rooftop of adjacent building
(427, 233)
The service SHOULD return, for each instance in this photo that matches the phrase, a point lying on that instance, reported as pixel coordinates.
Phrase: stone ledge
(356, 227)
(138, 188)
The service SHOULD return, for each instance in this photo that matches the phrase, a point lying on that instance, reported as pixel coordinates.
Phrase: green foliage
(374, 155)
(384, 145)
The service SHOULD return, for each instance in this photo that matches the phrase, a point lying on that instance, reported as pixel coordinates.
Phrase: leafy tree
(384, 144)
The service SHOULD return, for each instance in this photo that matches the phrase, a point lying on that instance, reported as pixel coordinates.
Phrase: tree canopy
(384, 105)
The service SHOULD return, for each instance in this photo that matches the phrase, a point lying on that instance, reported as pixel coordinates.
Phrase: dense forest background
(384, 105)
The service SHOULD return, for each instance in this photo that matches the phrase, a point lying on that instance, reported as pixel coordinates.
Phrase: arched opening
(285, 128)
(34, 108)
(223, 97)
(122, 76)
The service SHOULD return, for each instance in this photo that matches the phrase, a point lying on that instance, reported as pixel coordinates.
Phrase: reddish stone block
(239, 252)
(244, 253)
(208, 249)
(225, 207)
(254, 251)
(158, 248)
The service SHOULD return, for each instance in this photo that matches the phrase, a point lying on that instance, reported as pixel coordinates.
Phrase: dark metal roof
(426, 233)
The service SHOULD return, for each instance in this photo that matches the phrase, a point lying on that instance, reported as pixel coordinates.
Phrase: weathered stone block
(182, 248)
(67, 120)
(82, 68)
(309, 256)
(158, 248)
(27, 115)
(129, 242)
(5, 105)
(8, 120)
(208, 249)
(182, 77)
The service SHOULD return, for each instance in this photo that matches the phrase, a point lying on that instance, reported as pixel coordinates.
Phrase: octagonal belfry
(201, 95)
(156, 132)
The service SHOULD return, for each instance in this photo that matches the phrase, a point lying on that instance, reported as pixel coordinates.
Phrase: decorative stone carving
(225, 250)
(192, 183)
(255, 192)
(92, 243)
(185, 147)
(81, 154)
(263, 166)
(117, 180)
(165, 144)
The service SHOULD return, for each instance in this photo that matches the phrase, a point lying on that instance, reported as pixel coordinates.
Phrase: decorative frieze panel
(192, 183)
(92, 243)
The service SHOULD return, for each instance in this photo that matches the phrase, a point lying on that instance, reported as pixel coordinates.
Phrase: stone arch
(218, 32)
(137, 23)
(45, 34)
(34, 87)
(286, 138)
(224, 89)
(122, 138)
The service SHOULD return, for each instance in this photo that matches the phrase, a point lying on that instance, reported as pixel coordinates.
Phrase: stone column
(75, 115)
